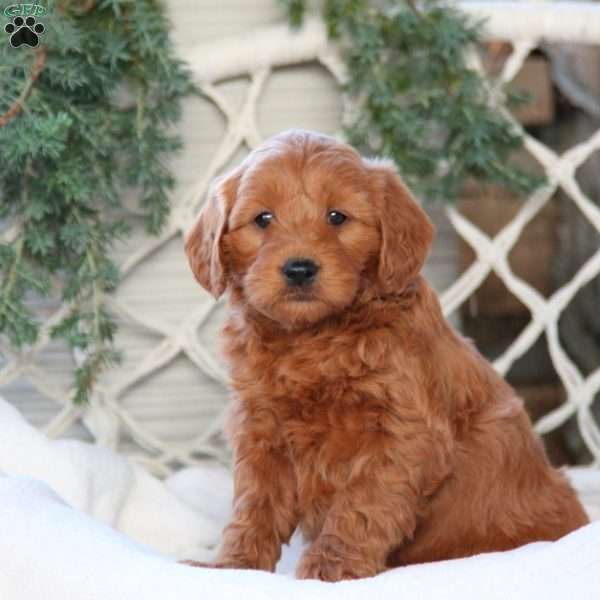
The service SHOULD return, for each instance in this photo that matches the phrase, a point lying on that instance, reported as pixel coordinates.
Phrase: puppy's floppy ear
(203, 244)
(406, 231)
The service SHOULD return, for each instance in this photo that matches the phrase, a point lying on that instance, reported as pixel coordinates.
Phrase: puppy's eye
(263, 219)
(335, 217)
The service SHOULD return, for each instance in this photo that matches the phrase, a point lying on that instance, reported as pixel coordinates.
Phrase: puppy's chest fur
(321, 398)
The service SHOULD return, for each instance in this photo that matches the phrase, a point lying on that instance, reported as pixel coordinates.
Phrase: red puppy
(358, 414)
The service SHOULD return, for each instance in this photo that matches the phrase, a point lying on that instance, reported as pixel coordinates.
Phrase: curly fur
(358, 414)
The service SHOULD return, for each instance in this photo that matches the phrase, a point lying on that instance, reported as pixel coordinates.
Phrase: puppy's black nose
(299, 271)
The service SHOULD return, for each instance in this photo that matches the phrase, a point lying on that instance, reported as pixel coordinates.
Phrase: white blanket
(78, 522)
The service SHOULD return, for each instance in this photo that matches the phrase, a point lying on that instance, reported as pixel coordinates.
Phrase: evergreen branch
(413, 6)
(68, 5)
(417, 100)
(15, 319)
(140, 110)
(90, 332)
(19, 103)
(70, 152)
(96, 292)
(11, 279)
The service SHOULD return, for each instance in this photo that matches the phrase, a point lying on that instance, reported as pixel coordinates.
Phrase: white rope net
(113, 422)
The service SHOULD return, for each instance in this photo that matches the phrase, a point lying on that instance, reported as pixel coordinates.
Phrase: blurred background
(164, 403)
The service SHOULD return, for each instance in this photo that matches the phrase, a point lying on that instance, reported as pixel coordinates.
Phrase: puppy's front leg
(264, 512)
(264, 505)
(361, 528)
(376, 511)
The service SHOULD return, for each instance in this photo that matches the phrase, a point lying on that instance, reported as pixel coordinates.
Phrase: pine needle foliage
(85, 118)
(417, 100)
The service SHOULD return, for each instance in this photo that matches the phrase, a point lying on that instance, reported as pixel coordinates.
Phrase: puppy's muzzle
(299, 272)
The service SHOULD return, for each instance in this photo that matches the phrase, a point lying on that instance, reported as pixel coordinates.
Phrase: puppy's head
(305, 224)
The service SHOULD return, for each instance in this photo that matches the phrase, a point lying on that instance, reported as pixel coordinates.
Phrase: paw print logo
(24, 32)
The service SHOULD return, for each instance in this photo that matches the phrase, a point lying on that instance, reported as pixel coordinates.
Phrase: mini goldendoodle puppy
(358, 414)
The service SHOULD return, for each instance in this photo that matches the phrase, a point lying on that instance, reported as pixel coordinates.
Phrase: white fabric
(51, 550)
(111, 489)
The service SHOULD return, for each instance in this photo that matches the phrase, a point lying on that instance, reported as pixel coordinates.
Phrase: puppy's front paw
(319, 567)
(324, 562)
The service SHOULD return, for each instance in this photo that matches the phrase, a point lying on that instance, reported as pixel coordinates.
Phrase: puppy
(358, 414)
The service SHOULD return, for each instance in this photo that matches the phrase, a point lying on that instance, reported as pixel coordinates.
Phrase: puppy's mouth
(299, 296)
